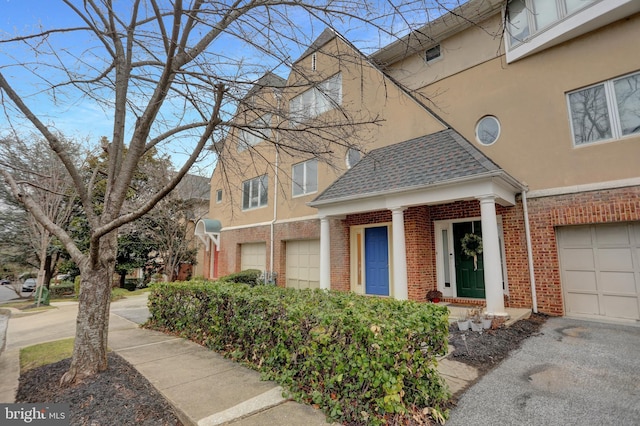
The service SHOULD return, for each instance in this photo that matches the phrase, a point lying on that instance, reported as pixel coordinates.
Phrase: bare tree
(44, 178)
(171, 224)
(165, 72)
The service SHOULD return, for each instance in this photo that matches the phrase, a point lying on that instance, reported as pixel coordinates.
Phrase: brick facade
(545, 214)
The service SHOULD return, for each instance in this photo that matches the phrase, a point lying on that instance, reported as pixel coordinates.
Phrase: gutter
(527, 231)
(493, 174)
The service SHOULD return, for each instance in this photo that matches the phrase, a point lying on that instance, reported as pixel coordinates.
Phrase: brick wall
(546, 213)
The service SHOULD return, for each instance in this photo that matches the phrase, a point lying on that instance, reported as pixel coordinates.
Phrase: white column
(325, 254)
(491, 257)
(400, 288)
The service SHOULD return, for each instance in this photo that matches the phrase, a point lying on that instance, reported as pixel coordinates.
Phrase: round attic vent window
(353, 156)
(487, 130)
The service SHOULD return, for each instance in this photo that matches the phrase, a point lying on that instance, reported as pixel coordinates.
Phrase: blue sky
(85, 120)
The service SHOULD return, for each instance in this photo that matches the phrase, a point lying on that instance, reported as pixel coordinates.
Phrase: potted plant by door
(463, 323)
(487, 320)
(434, 296)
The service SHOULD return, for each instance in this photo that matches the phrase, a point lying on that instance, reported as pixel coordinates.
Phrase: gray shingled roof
(268, 80)
(325, 37)
(420, 162)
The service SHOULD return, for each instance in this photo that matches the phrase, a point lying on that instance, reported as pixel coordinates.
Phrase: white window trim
(256, 179)
(255, 132)
(304, 178)
(612, 109)
(218, 196)
(318, 93)
(593, 16)
(499, 130)
(436, 59)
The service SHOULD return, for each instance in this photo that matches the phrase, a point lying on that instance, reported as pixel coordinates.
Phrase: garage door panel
(581, 303)
(613, 259)
(303, 264)
(617, 234)
(621, 307)
(601, 279)
(581, 281)
(618, 282)
(578, 259)
(253, 256)
(575, 236)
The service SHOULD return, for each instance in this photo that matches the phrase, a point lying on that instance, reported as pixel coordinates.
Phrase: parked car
(29, 284)
(5, 282)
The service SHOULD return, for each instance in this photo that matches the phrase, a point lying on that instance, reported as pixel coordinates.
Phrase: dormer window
(432, 54)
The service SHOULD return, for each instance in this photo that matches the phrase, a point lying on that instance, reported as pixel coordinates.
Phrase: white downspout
(275, 208)
(275, 186)
(527, 231)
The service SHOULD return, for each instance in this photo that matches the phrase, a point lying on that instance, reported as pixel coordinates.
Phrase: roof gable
(421, 162)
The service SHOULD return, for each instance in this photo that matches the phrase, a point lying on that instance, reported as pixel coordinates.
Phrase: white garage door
(600, 270)
(303, 264)
(253, 256)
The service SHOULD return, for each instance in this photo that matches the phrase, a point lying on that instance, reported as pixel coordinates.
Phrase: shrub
(249, 276)
(364, 360)
(131, 284)
(65, 288)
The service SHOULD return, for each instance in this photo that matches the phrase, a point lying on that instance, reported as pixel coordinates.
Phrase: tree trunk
(92, 323)
(48, 271)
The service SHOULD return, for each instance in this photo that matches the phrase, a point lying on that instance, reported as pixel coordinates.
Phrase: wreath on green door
(472, 247)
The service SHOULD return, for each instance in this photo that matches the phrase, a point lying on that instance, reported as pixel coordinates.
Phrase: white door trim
(438, 227)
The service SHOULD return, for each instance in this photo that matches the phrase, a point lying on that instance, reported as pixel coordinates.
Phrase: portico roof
(430, 169)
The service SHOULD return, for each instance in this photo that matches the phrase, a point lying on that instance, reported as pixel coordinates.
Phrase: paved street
(7, 293)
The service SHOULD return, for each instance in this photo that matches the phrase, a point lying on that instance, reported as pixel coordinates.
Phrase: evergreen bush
(363, 360)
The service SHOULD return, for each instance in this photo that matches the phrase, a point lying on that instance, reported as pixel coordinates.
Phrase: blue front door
(376, 260)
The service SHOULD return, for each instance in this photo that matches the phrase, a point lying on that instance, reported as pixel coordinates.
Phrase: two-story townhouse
(554, 100)
(532, 152)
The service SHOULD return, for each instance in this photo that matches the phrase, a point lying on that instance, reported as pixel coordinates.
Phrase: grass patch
(28, 305)
(121, 293)
(45, 354)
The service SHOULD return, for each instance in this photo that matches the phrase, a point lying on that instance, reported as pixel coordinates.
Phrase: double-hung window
(255, 132)
(528, 17)
(305, 177)
(317, 100)
(254, 192)
(608, 110)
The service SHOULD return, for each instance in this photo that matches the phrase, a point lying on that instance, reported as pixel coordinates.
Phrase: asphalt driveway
(573, 373)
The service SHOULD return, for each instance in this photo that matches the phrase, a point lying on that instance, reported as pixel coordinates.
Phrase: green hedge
(248, 276)
(65, 288)
(364, 360)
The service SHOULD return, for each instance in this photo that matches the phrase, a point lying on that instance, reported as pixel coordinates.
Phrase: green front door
(469, 273)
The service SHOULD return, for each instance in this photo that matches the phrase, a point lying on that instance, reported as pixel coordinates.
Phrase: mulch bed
(118, 396)
(487, 349)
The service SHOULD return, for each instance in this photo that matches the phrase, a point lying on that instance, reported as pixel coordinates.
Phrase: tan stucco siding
(529, 99)
(374, 112)
(459, 52)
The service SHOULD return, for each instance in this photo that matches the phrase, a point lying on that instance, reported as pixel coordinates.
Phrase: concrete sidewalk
(202, 386)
